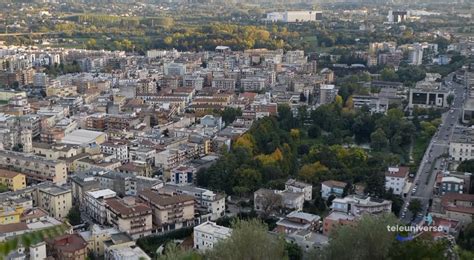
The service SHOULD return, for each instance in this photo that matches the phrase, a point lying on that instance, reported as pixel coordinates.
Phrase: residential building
(450, 184)
(253, 84)
(118, 149)
(459, 207)
(461, 145)
(96, 237)
(95, 204)
(124, 251)
(223, 83)
(183, 175)
(12, 180)
(207, 201)
(266, 201)
(69, 246)
(298, 221)
(207, 234)
(169, 212)
(129, 216)
(415, 54)
(35, 168)
(298, 186)
(327, 94)
(396, 178)
(56, 200)
(332, 187)
(359, 205)
(335, 219)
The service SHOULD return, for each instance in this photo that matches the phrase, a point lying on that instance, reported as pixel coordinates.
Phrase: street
(426, 175)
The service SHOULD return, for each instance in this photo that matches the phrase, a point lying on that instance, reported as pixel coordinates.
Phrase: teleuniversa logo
(413, 230)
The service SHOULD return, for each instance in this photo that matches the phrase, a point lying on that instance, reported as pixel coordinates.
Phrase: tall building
(415, 55)
(327, 94)
(169, 212)
(397, 16)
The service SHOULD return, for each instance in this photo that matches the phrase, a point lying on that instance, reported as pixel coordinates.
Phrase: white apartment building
(359, 205)
(174, 69)
(118, 149)
(415, 54)
(327, 94)
(207, 200)
(298, 186)
(461, 146)
(208, 234)
(252, 84)
(396, 178)
(95, 205)
(223, 83)
(183, 175)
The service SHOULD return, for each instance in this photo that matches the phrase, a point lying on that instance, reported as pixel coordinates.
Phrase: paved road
(439, 145)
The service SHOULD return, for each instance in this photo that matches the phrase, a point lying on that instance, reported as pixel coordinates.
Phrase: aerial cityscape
(236, 129)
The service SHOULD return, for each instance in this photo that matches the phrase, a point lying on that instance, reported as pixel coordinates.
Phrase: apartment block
(207, 234)
(130, 216)
(94, 204)
(169, 212)
(35, 168)
(56, 200)
(12, 180)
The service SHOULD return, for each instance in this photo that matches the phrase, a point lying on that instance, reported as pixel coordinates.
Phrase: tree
(466, 237)
(378, 140)
(294, 251)
(3, 188)
(270, 201)
(173, 252)
(366, 239)
(249, 240)
(249, 178)
(74, 216)
(415, 207)
(466, 166)
(310, 172)
(302, 97)
(419, 249)
(314, 131)
(375, 184)
(450, 99)
(229, 114)
(389, 75)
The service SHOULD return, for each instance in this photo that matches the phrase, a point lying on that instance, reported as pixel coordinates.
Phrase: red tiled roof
(332, 183)
(450, 202)
(8, 174)
(69, 243)
(119, 206)
(164, 200)
(14, 227)
(402, 172)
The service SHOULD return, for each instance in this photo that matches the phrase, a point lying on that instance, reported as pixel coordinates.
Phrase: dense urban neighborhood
(220, 129)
